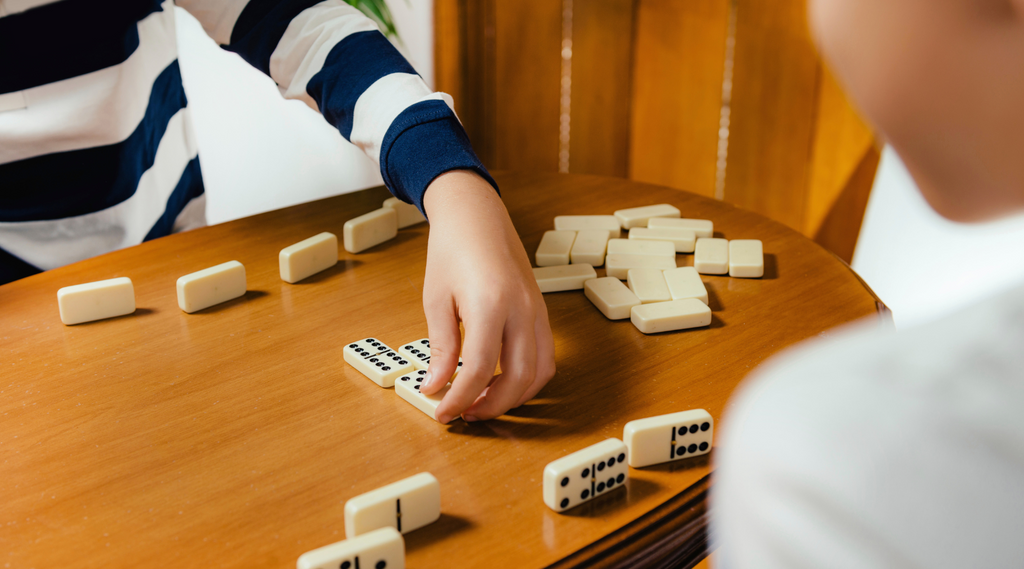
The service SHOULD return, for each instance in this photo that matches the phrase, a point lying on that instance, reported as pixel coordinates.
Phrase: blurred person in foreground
(883, 448)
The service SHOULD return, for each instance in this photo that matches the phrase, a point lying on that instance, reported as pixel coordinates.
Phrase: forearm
(478, 274)
(453, 193)
(423, 143)
(333, 58)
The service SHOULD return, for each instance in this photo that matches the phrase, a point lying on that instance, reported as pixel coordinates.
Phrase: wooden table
(233, 437)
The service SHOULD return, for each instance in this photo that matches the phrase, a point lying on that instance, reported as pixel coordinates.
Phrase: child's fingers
(445, 344)
(480, 356)
(518, 369)
(545, 357)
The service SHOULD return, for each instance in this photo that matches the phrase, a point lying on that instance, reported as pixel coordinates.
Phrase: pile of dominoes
(658, 296)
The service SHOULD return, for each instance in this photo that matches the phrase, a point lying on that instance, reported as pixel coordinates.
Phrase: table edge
(673, 535)
(884, 313)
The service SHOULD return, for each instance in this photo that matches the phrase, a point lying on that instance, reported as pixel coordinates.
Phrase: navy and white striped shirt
(96, 147)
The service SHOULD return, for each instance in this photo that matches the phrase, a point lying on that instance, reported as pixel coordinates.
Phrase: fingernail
(470, 418)
(426, 379)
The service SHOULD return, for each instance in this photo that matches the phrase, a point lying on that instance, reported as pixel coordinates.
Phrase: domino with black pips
(408, 387)
(418, 353)
(585, 474)
(406, 505)
(379, 549)
(665, 438)
(377, 361)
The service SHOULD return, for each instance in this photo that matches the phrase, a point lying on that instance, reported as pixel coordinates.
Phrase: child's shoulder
(883, 429)
(866, 392)
(975, 350)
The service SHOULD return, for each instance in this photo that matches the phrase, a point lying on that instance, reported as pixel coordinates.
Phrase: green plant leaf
(377, 10)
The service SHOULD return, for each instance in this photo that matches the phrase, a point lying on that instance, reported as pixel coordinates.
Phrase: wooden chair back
(722, 98)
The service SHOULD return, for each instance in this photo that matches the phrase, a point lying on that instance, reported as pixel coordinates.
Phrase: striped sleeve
(98, 152)
(332, 57)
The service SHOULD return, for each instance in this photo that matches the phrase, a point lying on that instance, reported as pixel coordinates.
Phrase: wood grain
(841, 228)
(707, 563)
(841, 139)
(844, 159)
(232, 437)
(528, 62)
(602, 69)
(647, 101)
(449, 55)
(464, 56)
(775, 80)
(671, 536)
(677, 92)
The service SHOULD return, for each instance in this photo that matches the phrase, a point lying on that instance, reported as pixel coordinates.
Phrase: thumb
(445, 345)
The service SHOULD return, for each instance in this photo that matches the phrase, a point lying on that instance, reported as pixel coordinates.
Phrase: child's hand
(478, 274)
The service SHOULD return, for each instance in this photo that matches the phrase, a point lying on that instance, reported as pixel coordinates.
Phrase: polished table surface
(232, 437)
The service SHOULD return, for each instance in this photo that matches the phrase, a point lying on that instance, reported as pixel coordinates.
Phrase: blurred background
(726, 99)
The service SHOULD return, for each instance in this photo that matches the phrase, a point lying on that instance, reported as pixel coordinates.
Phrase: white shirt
(880, 448)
